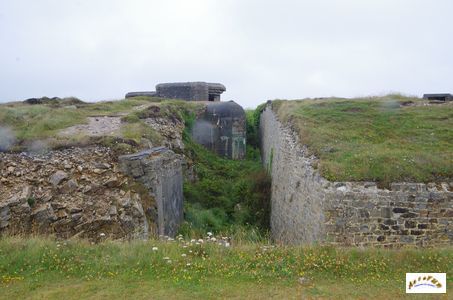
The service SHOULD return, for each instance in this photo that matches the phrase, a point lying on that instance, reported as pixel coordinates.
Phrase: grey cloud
(260, 50)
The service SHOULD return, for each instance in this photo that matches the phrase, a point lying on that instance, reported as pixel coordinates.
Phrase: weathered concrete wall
(160, 171)
(190, 91)
(307, 208)
(222, 129)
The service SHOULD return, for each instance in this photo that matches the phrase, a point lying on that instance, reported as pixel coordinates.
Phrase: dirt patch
(353, 110)
(407, 103)
(97, 126)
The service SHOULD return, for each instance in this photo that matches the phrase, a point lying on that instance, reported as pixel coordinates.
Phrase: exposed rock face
(222, 129)
(73, 192)
(170, 128)
(190, 91)
(307, 208)
(160, 171)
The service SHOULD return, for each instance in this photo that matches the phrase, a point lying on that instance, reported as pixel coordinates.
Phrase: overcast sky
(101, 49)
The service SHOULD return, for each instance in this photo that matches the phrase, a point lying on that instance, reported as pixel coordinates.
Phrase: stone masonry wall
(306, 208)
(160, 171)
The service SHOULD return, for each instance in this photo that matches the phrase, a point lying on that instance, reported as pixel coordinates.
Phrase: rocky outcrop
(75, 192)
(159, 170)
(307, 209)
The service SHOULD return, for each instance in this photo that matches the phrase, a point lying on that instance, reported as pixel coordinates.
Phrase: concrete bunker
(189, 91)
(438, 97)
(222, 129)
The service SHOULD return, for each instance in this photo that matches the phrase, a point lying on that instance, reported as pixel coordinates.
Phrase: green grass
(41, 268)
(375, 139)
(43, 121)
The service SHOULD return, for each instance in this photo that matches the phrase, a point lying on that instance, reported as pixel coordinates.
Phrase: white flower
(209, 233)
(188, 264)
(154, 248)
(170, 239)
(200, 241)
(166, 258)
(183, 255)
(197, 243)
(169, 261)
(184, 246)
(227, 244)
(192, 240)
(102, 234)
(190, 251)
(213, 239)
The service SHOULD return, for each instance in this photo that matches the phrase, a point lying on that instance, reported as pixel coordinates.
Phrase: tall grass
(375, 139)
(38, 259)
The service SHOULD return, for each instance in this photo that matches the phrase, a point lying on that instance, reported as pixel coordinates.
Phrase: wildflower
(192, 240)
(188, 264)
(227, 244)
(213, 239)
(197, 243)
(154, 248)
(166, 258)
(200, 241)
(209, 233)
(102, 234)
(183, 255)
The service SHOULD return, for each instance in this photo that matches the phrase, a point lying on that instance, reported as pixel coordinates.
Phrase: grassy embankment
(375, 139)
(39, 268)
(43, 122)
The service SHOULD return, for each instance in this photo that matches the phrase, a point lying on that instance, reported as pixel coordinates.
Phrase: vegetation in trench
(384, 139)
(228, 194)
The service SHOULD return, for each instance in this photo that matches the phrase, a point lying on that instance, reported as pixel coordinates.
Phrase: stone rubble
(75, 192)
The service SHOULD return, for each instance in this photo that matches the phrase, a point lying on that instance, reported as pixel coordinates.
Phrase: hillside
(130, 124)
(384, 139)
(79, 143)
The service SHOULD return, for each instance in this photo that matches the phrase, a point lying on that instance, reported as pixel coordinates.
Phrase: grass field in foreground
(45, 269)
(384, 139)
